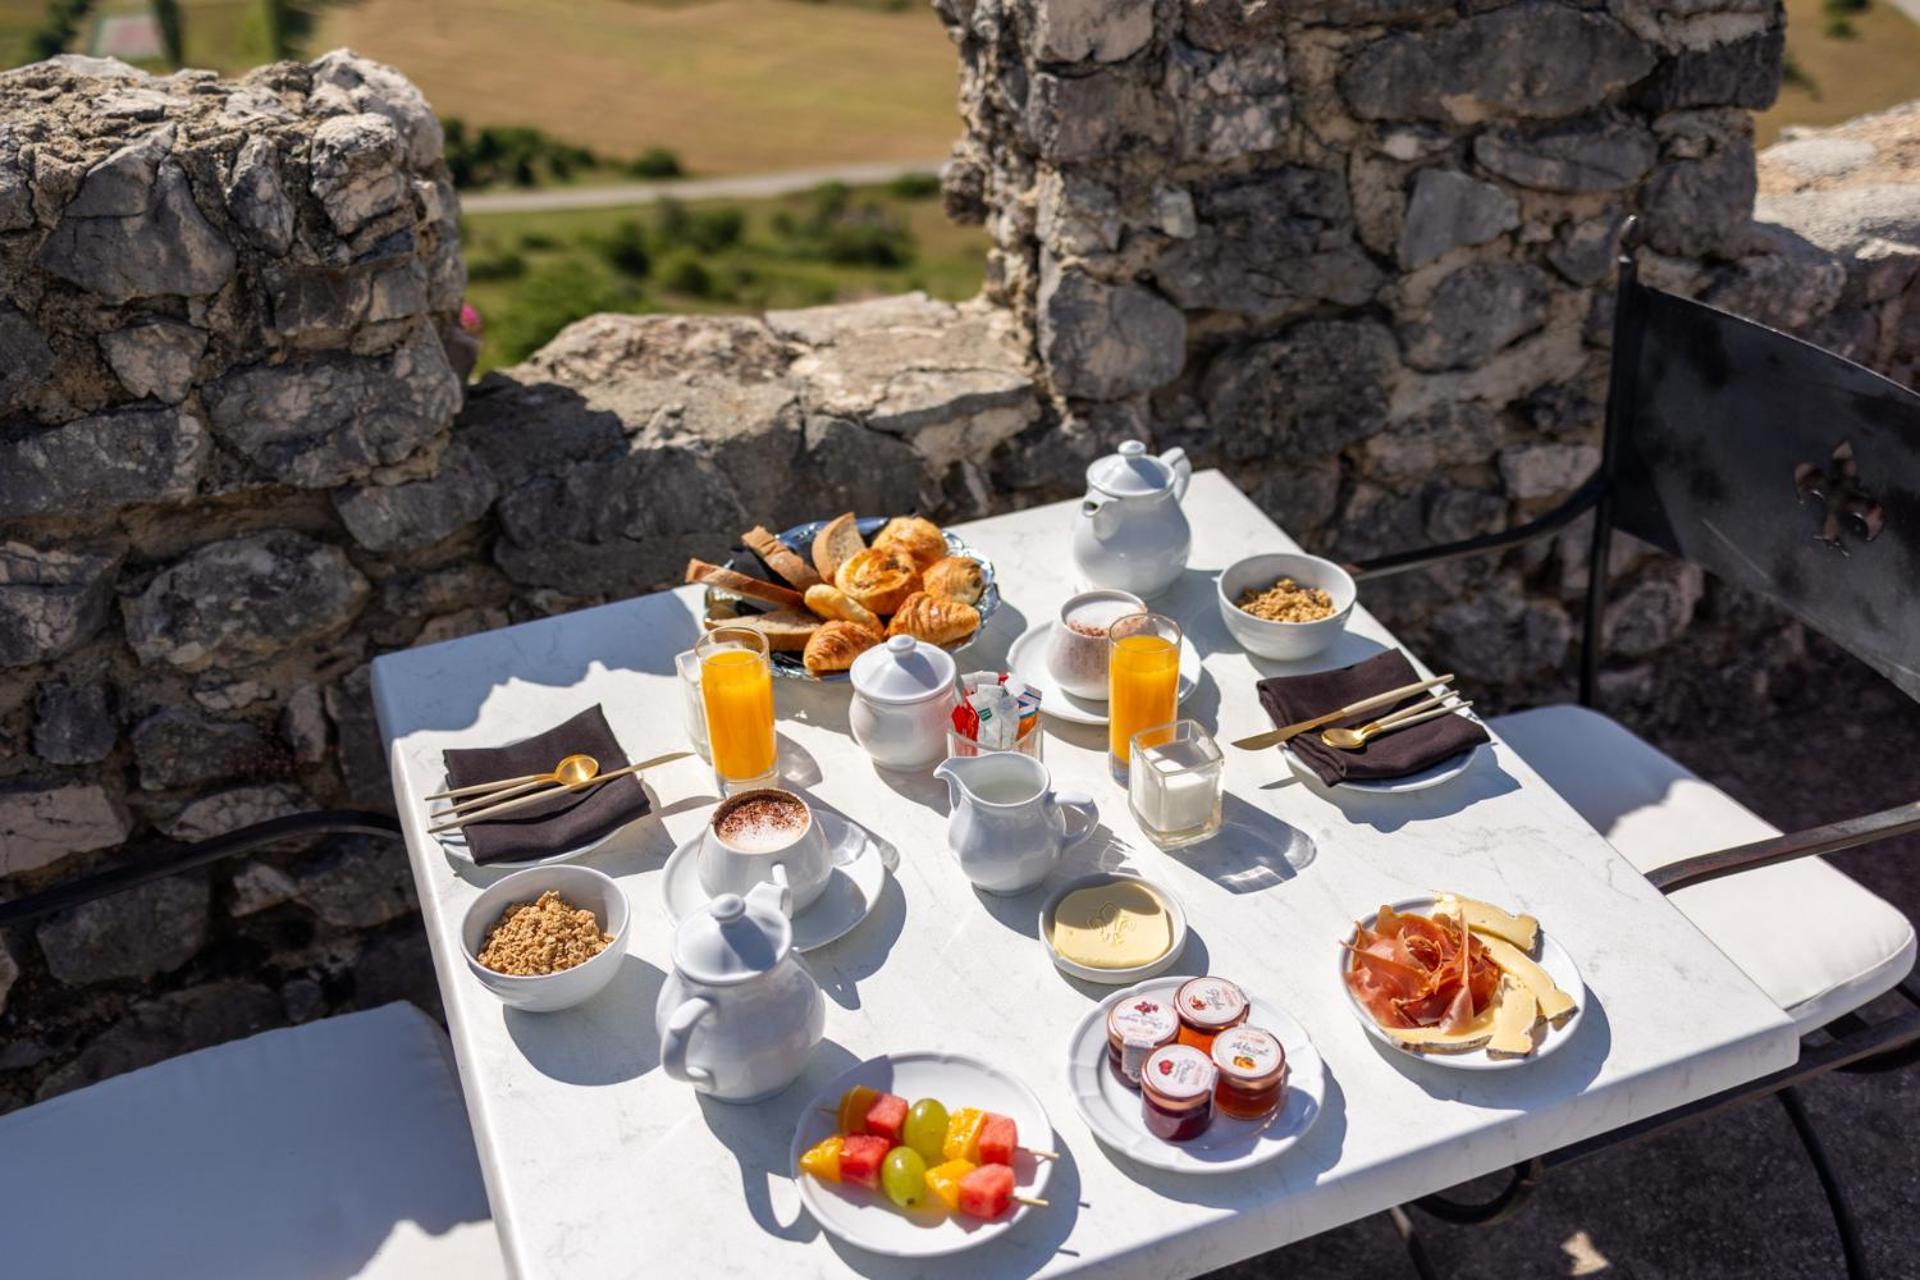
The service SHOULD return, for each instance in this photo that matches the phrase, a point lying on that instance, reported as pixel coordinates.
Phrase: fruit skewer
(927, 1127)
(978, 1191)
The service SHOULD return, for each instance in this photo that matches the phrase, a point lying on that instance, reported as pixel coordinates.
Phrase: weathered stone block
(1314, 390)
(72, 723)
(236, 807)
(1448, 210)
(41, 824)
(407, 517)
(134, 231)
(97, 464)
(257, 197)
(1449, 436)
(356, 170)
(1228, 104)
(25, 358)
(1475, 312)
(1734, 73)
(1091, 30)
(175, 748)
(51, 601)
(357, 885)
(1654, 610)
(1105, 341)
(1536, 59)
(1070, 119)
(1700, 201)
(155, 358)
(243, 599)
(1501, 637)
(1603, 154)
(137, 933)
(1533, 471)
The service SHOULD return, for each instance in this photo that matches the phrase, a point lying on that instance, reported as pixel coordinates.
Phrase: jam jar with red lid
(1208, 1006)
(1176, 1092)
(1135, 1028)
(1253, 1072)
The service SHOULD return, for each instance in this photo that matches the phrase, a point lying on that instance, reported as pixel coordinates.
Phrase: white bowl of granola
(546, 938)
(1285, 605)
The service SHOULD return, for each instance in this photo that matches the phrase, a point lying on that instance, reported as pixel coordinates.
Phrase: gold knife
(1274, 737)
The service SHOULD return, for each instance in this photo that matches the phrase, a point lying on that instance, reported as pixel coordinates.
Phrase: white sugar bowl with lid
(1130, 533)
(739, 1015)
(904, 693)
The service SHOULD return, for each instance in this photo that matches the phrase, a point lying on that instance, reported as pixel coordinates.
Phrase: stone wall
(1358, 261)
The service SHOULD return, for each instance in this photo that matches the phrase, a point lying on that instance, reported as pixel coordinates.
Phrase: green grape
(904, 1177)
(926, 1130)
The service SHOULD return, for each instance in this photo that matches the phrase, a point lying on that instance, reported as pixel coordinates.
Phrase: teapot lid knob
(728, 907)
(1132, 448)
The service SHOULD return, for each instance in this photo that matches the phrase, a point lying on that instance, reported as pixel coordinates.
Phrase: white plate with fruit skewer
(1529, 1009)
(961, 1210)
(1113, 1111)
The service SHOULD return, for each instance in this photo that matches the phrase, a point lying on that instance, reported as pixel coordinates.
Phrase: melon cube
(861, 1155)
(987, 1191)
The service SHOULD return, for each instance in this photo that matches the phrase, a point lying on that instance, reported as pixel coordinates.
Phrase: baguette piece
(742, 585)
(780, 557)
(833, 603)
(786, 630)
(837, 543)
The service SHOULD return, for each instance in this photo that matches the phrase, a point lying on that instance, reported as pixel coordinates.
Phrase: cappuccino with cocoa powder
(761, 821)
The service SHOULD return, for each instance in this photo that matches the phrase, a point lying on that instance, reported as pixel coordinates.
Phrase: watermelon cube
(861, 1155)
(999, 1139)
(987, 1191)
(887, 1116)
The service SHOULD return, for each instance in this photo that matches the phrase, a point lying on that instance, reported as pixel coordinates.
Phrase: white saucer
(454, 844)
(1027, 658)
(1433, 776)
(1112, 1110)
(859, 877)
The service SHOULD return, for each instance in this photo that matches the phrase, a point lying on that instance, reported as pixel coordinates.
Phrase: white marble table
(598, 1165)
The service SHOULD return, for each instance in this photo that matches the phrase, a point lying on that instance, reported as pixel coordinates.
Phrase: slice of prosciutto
(1420, 971)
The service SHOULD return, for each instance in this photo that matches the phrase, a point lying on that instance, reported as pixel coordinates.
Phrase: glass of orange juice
(1143, 681)
(736, 690)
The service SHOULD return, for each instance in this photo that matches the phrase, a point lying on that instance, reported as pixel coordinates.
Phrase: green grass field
(1878, 68)
(535, 273)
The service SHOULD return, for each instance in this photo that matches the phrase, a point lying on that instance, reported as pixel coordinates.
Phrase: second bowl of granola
(1285, 605)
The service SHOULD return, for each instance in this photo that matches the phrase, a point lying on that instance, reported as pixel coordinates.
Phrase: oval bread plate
(1552, 957)
(721, 605)
(867, 1219)
(1433, 776)
(859, 878)
(1112, 1110)
(1027, 658)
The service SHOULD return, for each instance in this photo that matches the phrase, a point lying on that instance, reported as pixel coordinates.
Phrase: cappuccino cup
(765, 835)
(1077, 644)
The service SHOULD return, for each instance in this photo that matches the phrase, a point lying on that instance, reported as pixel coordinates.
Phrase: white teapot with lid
(1130, 533)
(739, 1015)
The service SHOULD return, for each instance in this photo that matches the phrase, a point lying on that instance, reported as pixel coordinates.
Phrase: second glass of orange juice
(736, 690)
(1143, 681)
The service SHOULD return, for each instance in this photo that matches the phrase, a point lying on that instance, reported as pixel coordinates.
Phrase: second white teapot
(1130, 532)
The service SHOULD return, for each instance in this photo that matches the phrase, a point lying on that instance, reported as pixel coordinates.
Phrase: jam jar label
(1210, 1002)
(1248, 1053)
(1179, 1071)
(1140, 1025)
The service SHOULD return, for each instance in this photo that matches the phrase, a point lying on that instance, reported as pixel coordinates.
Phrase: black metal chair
(1796, 475)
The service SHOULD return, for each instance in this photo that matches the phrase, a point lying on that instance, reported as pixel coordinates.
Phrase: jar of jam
(1208, 1006)
(1135, 1028)
(1176, 1092)
(1253, 1072)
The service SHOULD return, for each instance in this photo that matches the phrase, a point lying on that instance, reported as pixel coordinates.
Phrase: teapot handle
(1082, 806)
(673, 1045)
(1176, 459)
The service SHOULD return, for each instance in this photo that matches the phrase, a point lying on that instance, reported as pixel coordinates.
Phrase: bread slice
(742, 585)
(837, 543)
(786, 630)
(780, 558)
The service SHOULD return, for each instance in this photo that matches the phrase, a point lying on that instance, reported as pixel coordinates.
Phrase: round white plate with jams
(1112, 1110)
(871, 1221)
(1027, 658)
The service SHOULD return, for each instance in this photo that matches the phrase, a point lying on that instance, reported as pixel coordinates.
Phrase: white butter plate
(1112, 1110)
(1552, 957)
(867, 1219)
(1432, 776)
(859, 877)
(1027, 658)
(1176, 917)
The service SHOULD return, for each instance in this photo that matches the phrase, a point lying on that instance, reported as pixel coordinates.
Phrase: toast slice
(742, 585)
(835, 544)
(780, 558)
(786, 630)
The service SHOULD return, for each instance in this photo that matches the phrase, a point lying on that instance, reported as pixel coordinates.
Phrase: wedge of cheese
(1514, 1013)
(1484, 918)
(1474, 1035)
(1555, 1004)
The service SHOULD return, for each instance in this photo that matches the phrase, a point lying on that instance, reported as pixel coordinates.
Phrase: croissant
(832, 602)
(917, 539)
(836, 644)
(934, 620)
(878, 580)
(955, 578)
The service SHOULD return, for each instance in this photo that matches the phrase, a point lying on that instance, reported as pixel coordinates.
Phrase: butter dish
(1137, 899)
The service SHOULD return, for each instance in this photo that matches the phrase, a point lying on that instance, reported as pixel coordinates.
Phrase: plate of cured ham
(1461, 983)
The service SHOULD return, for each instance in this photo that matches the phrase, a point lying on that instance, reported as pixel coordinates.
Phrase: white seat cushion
(333, 1150)
(1810, 936)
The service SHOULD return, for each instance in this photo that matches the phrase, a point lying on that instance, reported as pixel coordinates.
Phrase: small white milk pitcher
(1009, 826)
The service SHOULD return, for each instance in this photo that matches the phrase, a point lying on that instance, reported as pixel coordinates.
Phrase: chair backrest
(1773, 464)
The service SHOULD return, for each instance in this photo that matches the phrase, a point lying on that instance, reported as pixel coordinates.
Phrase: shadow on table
(1530, 1085)
(1253, 850)
(760, 1134)
(840, 966)
(1483, 780)
(1344, 652)
(605, 1040)
(797, 768)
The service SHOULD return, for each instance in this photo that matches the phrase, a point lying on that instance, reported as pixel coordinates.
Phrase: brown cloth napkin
(563, 822)
(1291, 699)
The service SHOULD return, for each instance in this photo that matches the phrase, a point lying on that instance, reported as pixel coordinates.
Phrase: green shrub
(835, 230)
(626, 249)
(707, 230)
(686, 274)
(548, 298)
(526, 157)
(538, 240)
(914, 186)
(656, 162)
(498, 266)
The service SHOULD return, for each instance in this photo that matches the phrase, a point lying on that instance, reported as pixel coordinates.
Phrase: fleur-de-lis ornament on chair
(1849, 510)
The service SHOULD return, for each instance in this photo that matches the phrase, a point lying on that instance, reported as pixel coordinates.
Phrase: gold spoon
(493, 806)
(571, 771)
(1354, 739)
